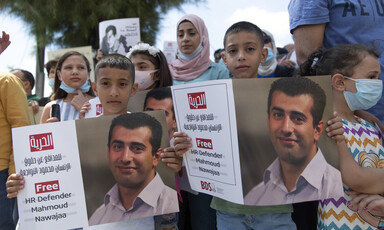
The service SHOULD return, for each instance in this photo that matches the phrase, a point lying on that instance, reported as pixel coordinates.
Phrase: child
(243, 43)
(114, 85)
(151, 67)
(71, 88)
(355, 70)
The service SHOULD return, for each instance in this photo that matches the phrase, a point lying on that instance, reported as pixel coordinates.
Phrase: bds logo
(208, 186)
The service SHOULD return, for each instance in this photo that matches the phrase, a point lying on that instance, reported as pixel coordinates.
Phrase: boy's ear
(134, 89)
(94, 88)
(224, 57)
(264, 55)
(338, 82)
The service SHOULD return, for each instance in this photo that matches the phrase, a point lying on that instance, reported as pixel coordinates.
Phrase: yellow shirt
(13, 113)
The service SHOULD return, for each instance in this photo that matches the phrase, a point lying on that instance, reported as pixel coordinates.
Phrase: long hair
(59, 93)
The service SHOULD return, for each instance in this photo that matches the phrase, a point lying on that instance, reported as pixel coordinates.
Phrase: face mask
(270, 55)
(84, 88)
(51, 82)
(144, 79)
(368, 94)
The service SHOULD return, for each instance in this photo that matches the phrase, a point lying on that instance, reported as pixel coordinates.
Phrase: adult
(112, 43)
(270, 68)
(133, 154)
(300, 173)
(13, 113)
(193, 63)
(29, 82)
(325, 23)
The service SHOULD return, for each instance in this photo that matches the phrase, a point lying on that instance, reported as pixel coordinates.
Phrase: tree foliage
(74, 23)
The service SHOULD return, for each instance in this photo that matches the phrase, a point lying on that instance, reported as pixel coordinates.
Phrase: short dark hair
(295, 86)
(138, 120)
(160, 94)
(246, 27)
(28, 76)
(111, 27)
(51, 64)
(115, 61)
(338, 59)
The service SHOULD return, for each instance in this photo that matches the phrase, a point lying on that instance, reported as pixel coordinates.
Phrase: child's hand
(84, 109)
(335, 128)
(172, 160)
(182, 143)
(78, 100)
(14, 184)
(368, 202)
(52, 119)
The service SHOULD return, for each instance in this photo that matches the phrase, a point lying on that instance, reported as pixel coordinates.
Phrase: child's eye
(123, 84)
(373, 77)
(180, 35)
(250, 49)
(104, 83)
(231, 51)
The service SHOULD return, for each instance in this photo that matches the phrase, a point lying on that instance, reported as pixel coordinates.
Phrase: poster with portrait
(85, 50)
(68, 171)
(261, 143)
(119, 35)
(170, 50)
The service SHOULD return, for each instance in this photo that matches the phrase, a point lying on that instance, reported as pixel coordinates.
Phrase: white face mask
(144, 79)
(368, 94)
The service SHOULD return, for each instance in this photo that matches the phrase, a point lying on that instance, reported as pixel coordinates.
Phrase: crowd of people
(324, 45)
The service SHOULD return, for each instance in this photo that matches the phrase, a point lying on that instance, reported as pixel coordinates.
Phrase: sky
(218, 15)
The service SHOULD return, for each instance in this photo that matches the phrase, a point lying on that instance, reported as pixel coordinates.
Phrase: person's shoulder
(218, 70)
(8, 78)
(97, 215)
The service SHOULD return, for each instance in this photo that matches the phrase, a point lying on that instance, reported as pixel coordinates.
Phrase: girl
(193, 63)
(151, 67)
(71, 88)
(354, 70)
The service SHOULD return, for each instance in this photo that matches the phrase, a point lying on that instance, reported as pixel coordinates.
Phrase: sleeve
(308, 12)
(14, 101)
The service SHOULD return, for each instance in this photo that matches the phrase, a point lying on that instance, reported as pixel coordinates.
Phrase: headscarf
(188, 70)
(268, 68)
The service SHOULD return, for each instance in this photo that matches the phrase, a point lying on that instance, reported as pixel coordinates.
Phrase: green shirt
(32, 97)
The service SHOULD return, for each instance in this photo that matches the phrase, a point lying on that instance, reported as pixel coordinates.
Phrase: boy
(244, 50)
(115, 77)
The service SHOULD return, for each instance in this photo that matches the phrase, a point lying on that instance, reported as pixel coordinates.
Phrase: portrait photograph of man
(300, 171)
(129, 182)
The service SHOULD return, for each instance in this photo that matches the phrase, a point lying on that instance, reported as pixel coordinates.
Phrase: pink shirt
(319, 180)
(155, 199)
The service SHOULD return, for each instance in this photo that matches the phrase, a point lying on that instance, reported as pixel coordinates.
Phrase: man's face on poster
(130, 157)
(165, 104)
(290, 125)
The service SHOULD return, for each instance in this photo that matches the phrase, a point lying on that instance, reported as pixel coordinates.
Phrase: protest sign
(62, 193)
(255, 138)
(119, 35)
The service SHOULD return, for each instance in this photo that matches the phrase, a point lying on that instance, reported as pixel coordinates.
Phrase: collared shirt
(319, 180)
(155, 199)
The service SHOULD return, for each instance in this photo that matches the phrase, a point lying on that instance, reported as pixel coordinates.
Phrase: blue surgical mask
(368, 94)
(51, 82)
(270, 55)
(84, 88)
